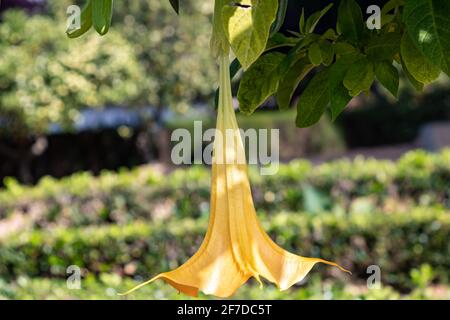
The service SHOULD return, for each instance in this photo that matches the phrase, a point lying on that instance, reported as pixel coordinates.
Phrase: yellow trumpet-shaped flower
(235, 247)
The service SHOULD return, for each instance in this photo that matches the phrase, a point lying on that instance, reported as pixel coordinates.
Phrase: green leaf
(315, 54)
(330, 34)
(102, 15)
(350, 21)
(386, 19)
(388, 76)
(384, 46)
(418, 86)
(339, 96)
(321, 52)
(247, 26)
(291, 80)
(314, 19)
(428, 24)
(175, 5)
(359, 76)
(259, 82)
(279, 40)
(343, 48)
(302, 22)
(296, 53)
(219, 42)
(390, 5)
(416, 63)
(313, 101)
(281, 15)
(327, 52)
(86, 22)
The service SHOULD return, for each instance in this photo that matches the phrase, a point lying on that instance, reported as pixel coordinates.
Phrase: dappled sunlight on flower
(236, 247)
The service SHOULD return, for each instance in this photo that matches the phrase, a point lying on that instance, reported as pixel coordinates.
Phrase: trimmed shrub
(396, 242)
(366, 185)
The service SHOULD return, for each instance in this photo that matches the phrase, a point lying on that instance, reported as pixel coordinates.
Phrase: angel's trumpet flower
(235, 247)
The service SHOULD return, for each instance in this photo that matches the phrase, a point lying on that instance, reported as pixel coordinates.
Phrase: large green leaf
(416, 63)
(418, 86)
(350, 21)
(247, 27)
(102, 15)
(388, 76)
(428, 23)
(219, 42)
(259, 82)
(291, 80)
(384, 46)
(313, 101)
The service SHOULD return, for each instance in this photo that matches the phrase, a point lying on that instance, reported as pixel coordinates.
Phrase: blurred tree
(45, 77)
(173, 50)
(150, 57)
(29, 5)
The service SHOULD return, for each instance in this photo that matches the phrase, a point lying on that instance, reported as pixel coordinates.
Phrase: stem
(225, 96)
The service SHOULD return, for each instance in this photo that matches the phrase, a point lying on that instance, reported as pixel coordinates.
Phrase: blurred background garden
(86, 178)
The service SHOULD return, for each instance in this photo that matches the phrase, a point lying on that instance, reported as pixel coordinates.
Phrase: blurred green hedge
(361, 185)
(396, 242)
(107, 285)
(143, 221)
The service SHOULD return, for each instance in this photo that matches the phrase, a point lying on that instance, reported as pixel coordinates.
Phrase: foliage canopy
(346, 60)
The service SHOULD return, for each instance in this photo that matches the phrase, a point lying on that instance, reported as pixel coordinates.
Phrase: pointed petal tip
(258, 278)
(182, 288)
(334, 264)
(343, 269)
(139, 286)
